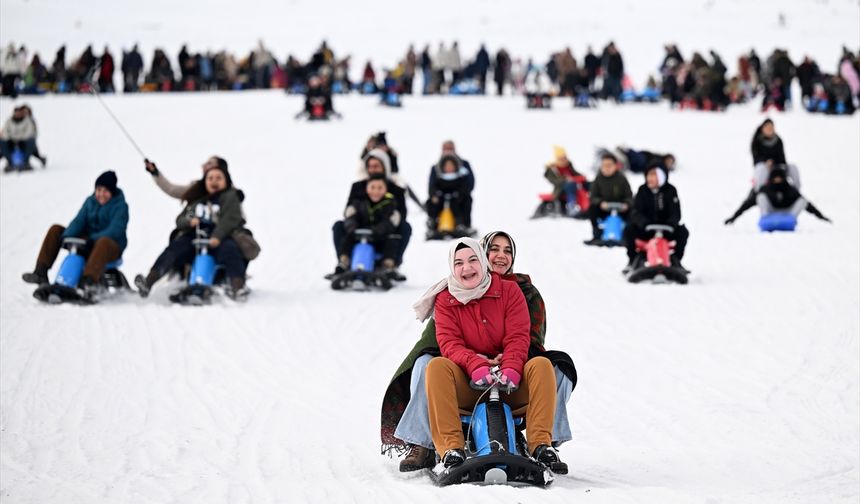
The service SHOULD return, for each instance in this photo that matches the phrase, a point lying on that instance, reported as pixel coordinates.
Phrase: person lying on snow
(217, 201)
(609, 186)
(656, 202)
(243, 236)
(377, 162)
(376, 211)
(778, 195)
(565, 179)
(639, 160)
(102, 221)
(405, 425)
(454, 182)
(496, 325)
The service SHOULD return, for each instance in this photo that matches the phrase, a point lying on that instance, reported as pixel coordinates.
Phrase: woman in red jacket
(479, 315)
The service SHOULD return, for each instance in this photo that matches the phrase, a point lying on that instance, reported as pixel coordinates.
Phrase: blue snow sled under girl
(204, 275)
(777, 221)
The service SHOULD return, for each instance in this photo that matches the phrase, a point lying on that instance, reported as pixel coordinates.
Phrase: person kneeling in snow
(215, 198)
(656, 202)
(102, 221)
(778, 195)
(378, 212)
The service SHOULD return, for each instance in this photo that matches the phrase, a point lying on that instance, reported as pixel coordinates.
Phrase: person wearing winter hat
(214, 207)
(449, 148)
(177, 190)
(453, 181)
(405, 424)
(778, 195)
(243, 236)
(376, 162)
(564, 179)
(656, 202)
(478, 314)
(102, 221)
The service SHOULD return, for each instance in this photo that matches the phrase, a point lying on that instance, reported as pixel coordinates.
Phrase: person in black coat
(376, 162)
(767, 145)
(453, 180)
(656, 202)
(592, 65)
(778, 195)
(318, 93)
(377, 211)
(449, 149)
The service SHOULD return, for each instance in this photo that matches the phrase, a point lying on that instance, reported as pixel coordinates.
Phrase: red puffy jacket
(497, 323)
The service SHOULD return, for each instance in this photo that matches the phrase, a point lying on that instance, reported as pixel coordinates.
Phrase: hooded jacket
(656, 207)
(358, 191)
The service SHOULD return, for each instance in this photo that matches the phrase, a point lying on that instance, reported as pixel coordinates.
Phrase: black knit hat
(108, 181)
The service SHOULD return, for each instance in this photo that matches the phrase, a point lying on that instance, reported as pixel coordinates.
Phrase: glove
(728, 221)
(510, 380)
(481, 378)
(150, 167)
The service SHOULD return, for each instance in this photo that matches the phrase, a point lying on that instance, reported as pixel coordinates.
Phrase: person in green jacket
(610, 186)
(213, 208)
(405, 426)
(102, 221)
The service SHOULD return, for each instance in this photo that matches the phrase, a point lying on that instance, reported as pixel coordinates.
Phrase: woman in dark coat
(213, 210)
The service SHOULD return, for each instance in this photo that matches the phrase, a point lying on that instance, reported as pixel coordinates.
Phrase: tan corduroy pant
(448, 392)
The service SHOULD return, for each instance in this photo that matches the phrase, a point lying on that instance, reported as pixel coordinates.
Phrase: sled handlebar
(74, 242)
(615, 206)
(363, 232)
(200, 242)
(659, 227)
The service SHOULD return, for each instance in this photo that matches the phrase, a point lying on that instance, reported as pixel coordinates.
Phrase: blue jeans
(414, 425)
(28, 147)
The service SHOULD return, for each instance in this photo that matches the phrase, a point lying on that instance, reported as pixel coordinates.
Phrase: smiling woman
(478, 314)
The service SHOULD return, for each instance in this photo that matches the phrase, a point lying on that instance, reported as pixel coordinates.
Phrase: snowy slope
(743, 386)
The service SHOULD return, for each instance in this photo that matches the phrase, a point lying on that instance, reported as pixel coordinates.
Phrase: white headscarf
(425, 304)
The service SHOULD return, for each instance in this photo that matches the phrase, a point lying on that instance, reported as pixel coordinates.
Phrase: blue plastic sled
(777, 221)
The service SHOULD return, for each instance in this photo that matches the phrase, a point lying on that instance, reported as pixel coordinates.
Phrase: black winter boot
(548, 456)
(39, 276)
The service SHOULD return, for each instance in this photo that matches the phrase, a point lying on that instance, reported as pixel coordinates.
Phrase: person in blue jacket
(102, 221)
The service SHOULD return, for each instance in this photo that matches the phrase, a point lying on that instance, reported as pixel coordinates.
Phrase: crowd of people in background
(698, 82)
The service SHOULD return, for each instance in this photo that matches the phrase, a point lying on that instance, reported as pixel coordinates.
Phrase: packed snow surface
(743, 386)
